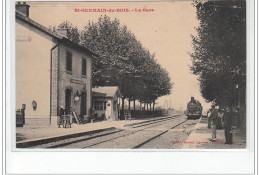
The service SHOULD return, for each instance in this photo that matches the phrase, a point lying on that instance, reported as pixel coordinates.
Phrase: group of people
(227, 118)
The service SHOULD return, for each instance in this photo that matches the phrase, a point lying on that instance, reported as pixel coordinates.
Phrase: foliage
(122, 60)
(219, 56)
(73, 32)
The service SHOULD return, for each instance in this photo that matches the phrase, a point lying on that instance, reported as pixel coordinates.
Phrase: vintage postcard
(130, 75)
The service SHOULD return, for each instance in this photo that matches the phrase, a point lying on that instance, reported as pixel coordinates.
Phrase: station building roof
(105, 91)
(52, 33)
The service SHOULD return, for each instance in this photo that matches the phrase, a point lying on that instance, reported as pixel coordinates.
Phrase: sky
(166, 32)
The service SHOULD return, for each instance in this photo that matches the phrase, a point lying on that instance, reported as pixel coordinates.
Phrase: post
(123, 104)
(118, 108)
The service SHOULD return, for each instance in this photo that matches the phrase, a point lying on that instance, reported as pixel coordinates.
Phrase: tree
(122, 61)
(73, 32)
(112, 43)
(156, 80)
(219, 56)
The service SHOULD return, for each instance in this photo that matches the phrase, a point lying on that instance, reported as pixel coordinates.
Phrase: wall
(109, 109)
(65, 78)
(114, 108)
(33, 70)
(54, 80)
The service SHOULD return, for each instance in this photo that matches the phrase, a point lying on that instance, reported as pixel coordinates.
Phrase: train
(194, 109)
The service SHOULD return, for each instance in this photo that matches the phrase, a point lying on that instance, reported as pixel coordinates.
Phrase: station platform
(200, 137)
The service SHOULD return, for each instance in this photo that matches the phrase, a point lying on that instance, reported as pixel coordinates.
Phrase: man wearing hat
(213, 118)
(228, 122)
(209, 113)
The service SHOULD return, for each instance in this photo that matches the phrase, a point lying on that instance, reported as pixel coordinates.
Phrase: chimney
(63, 32)
(23, 8)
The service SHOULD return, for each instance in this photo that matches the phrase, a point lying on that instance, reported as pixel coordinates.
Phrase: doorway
(83, 106)
(67, 101)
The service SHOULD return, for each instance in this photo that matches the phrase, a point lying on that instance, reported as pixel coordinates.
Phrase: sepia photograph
(130, 75)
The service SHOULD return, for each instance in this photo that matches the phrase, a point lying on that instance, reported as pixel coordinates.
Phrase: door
(109, 109)
(67, 101)
(83, 106)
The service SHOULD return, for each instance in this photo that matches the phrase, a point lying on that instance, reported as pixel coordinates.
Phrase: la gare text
(113, 10)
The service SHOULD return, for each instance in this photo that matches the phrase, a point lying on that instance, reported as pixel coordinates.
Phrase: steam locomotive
(194, 109)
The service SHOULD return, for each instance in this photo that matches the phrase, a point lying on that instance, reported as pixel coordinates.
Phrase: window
(84, 66)
(69, 62)
(99, 105)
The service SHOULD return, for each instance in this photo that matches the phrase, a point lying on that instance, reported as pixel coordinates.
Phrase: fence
(141, 114)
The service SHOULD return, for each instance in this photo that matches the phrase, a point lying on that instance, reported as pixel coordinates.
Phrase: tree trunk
(153, 105)
(118, 109)
(150, 106)
(140, 106)
(147, 107)
(134, 105)
(123, 104)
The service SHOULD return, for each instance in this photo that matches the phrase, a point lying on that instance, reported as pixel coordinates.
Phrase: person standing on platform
(209, 113)
(228, 122)
(213, 118)
(237, 118)
(61, 113)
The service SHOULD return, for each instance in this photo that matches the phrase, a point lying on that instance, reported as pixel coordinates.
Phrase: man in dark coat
(213, 118)
(237, 118)
(228, 122)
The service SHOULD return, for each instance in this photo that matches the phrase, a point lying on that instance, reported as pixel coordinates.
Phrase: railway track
(151, 121)
(175, 140)
(135, 132)
(106, 137)
(145, 142)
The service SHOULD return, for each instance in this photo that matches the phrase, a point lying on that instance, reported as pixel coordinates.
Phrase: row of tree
(122, 60)
(219, 56)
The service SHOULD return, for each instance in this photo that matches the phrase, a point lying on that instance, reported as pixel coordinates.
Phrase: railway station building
(51, 70)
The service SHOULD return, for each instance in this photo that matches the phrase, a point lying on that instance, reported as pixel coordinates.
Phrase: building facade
(106, 102)
(51, 70)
